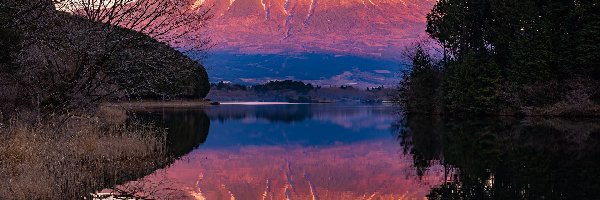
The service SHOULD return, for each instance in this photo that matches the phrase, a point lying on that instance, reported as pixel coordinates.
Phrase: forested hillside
(54, 61)
(507, 57)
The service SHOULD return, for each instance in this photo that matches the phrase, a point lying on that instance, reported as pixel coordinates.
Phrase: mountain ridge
(375, 28)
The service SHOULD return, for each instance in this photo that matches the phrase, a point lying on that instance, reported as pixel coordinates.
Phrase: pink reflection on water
(355, 119)
(257, 103)
(370, 170)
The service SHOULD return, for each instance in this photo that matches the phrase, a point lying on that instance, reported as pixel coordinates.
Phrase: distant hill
(61, 61)
(316, 68)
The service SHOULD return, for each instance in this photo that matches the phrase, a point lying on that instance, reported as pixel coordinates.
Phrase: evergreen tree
(421, 95)
(492, 49)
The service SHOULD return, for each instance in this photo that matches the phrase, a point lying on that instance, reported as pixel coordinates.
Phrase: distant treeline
(297, 86)
(296, 91)
(507, 57)
(275, 85)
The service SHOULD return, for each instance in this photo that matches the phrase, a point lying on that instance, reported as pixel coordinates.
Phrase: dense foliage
(54, 61)
(506, 57)
(9, 37)
(297, 86)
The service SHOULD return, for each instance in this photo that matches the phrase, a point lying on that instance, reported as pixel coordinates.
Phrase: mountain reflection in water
(290, 151)
(370, 152)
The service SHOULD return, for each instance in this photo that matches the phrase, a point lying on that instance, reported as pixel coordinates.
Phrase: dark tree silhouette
(76, 54)
(512, 57)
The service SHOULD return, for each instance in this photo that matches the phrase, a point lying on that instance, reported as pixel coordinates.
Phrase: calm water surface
(304, 151)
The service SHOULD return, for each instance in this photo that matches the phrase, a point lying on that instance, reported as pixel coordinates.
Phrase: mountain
(364, 29)
(378, 28)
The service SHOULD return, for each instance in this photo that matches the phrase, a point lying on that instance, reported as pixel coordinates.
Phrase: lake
(332, 151)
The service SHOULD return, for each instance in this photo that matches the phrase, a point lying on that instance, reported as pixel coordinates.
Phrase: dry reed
(69, 159)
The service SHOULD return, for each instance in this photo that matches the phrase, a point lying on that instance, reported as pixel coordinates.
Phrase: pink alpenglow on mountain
(374, 28)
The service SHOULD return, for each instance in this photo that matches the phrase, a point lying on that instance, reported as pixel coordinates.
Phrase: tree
(493, 49)
(460, 26)
(92, 51)
(419, 91)
(170, 21)
(297, 86)
(470, 72)
(470, 86)
(13, 16)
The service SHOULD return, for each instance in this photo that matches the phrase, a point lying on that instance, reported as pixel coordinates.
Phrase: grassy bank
(57, 65)
(69, 158)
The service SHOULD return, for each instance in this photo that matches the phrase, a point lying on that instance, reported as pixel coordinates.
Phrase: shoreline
(515, 115)
(159, 104)
(181, 104)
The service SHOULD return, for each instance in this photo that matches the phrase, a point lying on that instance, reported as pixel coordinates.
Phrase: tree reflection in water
(484, 158)
(506, 158)
(282, 113)
(329, 152)
(186, 131)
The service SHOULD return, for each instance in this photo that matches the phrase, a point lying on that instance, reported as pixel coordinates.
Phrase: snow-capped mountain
(379, 28)
(293, 33)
